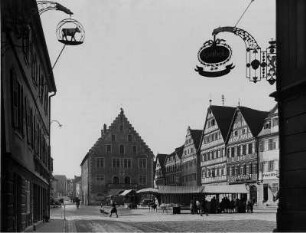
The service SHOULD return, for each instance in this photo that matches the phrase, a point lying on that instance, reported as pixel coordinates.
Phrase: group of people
(231, 206)
(198, 207)
(225, 206)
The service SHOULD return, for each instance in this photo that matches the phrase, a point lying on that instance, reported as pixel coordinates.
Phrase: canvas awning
(225, 189)
(125, 192)
(180, 189)
(148, 190)
(114, 192)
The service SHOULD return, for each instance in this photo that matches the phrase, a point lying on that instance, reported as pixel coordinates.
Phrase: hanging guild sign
(214, 55)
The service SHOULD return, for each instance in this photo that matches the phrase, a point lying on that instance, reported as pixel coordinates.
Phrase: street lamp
(58, 123)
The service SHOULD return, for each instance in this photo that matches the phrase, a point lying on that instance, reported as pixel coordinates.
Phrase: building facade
(60, 186)
(160, 170)
(27, 84)
(212, 149)
(119, 160)
(242, 144)
(268, 150)
(190, 163)
(173, 167)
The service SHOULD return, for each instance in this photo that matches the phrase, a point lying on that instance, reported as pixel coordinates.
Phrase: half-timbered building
(242, 154)
(212, 149)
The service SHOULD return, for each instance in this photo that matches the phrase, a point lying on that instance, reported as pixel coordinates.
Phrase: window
(113, 137)
(142, 163)
(261, 146)
(250, 148)
(127, 180)
(274, 122)
(271, 166)
(116, 163)
(271, 144)
(236, 133)
(142, 180)
(134, 149)
(129, 137)
(238, 150)
(18, 102)
(127, 163)
(121, 127)
(108, 148)
(267, 125)
(115, 180)
(244, 148)
(243, 131)
(100, 178)
(100, 162)
(121, 149)
(233, 152)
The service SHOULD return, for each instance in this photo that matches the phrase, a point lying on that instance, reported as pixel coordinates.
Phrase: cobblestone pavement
(89, 218)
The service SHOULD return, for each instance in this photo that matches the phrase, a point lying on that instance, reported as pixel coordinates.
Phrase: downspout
(50, 174)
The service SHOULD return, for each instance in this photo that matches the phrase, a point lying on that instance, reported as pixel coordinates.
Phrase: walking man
(113, 210)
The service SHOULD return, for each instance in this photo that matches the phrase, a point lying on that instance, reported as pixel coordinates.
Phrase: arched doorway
(253, 193)
(127, 180)
(116, 180)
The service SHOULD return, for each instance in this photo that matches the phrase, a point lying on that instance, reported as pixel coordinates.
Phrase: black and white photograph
(153, 116)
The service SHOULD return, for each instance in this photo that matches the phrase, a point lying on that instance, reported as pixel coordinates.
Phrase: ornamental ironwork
(70, 32)
(259, 64)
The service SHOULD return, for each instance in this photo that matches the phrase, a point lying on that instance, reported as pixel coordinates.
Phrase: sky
(140, 55)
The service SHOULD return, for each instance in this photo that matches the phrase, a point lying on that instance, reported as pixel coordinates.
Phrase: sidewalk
(54, 225)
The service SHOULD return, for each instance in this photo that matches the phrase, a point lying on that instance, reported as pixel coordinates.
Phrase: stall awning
(225, 189)
(148, 190)
(114, 192)
(180, 189)
(125, 192)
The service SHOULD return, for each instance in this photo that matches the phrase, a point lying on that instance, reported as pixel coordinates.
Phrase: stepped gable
(196, 135)
(254, 118)
(223, 116)
(122, 118)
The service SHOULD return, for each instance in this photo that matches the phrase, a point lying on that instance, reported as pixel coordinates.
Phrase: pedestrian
(198, 207)
(113, 210)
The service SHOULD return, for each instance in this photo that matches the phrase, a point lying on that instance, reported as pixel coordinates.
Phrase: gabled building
(242, 144)
(119, 160)
(173, 167)
(212, 149)
(269, 159)
(160, 170)
(190, 163)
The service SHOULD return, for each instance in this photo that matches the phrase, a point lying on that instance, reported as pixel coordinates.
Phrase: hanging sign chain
(244, 12)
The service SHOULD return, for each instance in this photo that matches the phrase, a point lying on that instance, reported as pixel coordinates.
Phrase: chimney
(103, 131)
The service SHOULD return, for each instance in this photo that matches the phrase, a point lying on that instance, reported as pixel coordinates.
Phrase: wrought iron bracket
(259, 64)
(44, 6)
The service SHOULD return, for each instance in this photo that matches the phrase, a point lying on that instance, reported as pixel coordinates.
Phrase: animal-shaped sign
(70, 32)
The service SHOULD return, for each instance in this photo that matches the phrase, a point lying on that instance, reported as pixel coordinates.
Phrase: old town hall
(118, 161)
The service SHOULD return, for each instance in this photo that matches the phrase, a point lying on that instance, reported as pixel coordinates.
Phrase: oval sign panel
(214, 54)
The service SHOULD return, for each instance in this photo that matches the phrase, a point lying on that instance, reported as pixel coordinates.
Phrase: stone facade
(27, 84)
(119, 160)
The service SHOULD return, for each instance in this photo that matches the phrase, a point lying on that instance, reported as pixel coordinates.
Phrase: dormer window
(267, 125)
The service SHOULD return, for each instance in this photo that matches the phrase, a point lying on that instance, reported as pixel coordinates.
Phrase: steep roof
(161, 158)
(223, 116)
(179, 151)
(196, 136)
(254, 118)
(120, 118)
